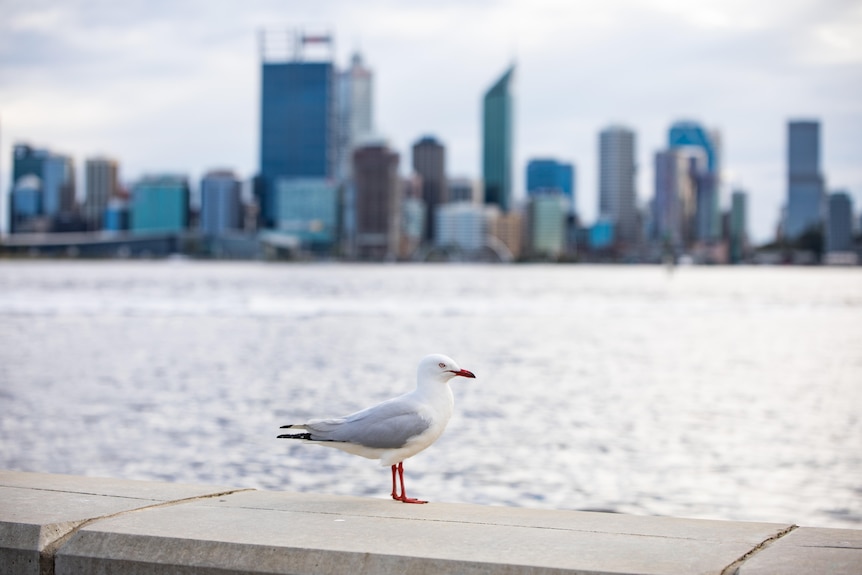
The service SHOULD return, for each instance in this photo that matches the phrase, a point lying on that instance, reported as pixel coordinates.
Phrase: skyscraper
(378, 206)
(101, 184)
(738, 225)
(675, 198)
(707, 216)
(355, 111)
(617, 181)
(804, 181)
(548, 174)
(497, 141)
(221, 205)
(839, 228)
(297, 120)
(50, 191)
(429, 162)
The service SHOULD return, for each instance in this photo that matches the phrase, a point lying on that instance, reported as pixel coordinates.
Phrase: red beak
(464, 373)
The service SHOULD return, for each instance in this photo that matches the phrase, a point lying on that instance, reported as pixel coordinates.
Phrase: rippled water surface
(730, 393)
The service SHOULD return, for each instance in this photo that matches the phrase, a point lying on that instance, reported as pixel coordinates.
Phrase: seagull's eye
(441, 365)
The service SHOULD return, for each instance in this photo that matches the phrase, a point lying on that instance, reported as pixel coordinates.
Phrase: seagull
(396, 429)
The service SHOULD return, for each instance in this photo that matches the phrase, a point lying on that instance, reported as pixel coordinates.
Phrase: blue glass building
(497, 145)
(160, 204)
(805, 188)
(549, 174)
(297, 129)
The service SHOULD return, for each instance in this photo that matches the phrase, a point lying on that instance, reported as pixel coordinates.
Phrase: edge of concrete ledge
(58, 524)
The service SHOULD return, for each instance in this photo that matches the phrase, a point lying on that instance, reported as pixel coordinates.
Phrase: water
(727, 393)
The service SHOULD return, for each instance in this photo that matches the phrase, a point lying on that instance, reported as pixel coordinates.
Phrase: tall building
(839, 223)
(805, 186)
(354, 98)
(221, 203)
(687, 135)
(675, 201)
(377, 202)
(738, 226)
(497, 141)
(617, 171)
(102, 181)
(297, 120)
(429, 162)
(50, 191)
(548, 174)
(160, 203)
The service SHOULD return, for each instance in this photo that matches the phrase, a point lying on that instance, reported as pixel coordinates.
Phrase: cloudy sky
(174, 85)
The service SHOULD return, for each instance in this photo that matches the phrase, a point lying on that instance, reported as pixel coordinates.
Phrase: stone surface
(809, 550)
(76, 525)
(37, 511)
(267, 532)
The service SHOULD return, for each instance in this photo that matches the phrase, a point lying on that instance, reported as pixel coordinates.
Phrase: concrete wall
(56, 524)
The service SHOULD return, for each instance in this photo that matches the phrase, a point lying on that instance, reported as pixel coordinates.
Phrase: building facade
(617, 173)
(102, 184)
(429, 163)
(308, 210)
(377, 202)
(498, 141)
(160, 204)
(839, 223)
(687, 135)
(297, 121)
(221, 203)
(546, 174)
(805, 186)
(355, 113)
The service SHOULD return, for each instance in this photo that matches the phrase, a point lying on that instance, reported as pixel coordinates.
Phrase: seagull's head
(438, 367)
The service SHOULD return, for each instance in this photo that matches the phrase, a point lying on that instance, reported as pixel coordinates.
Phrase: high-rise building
(805, 186)
(377, 201)
(355, 111)
(617, 170)
(497, 141)
(675, 201)
(101, 183)
(738, 226)
(548, 174)
(707, 214)
(839, 223)
(297, 120)
(221, 203)
(160, 203)
(429, 162)
(52, 192)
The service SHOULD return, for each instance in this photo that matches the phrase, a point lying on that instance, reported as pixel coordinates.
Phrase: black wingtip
(295, 436)
(286, 426)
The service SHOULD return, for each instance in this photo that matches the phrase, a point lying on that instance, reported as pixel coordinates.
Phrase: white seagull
(396, 429)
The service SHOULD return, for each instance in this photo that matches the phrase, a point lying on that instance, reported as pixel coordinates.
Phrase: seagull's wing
(388, 425)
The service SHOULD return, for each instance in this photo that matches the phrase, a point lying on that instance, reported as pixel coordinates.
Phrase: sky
(174, 86)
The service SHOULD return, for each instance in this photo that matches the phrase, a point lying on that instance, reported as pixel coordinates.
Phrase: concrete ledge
(64, 525)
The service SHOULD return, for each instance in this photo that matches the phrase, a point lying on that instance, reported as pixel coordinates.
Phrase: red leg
(403, 497)
(394, 492)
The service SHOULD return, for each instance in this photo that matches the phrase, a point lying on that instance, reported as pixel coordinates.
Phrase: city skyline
(580, 69)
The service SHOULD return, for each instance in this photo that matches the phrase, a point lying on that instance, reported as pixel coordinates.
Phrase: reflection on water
(726, 393)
